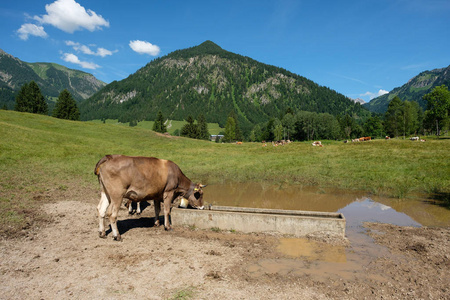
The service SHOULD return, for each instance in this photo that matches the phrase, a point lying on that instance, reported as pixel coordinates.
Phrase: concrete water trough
(291, 222)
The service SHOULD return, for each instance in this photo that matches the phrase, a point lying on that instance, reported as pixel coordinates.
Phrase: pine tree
(230, 130)
(37, 100)
(438, 106)
(30, 99)
(66, 107)
(159, 125)
(190, 129)
(393, 117)
(238, 136)
(23, 100)
(202, 127)
(277, 130)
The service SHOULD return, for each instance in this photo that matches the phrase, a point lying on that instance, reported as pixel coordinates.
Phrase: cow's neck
(190, 190)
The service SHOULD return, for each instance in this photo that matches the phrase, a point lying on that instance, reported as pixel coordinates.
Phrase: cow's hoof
(157, 224)
(138, 214)
(118, 238)
(102, 235)
(168, 228)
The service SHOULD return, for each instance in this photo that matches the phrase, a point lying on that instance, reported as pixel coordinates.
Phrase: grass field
(41, 157)
(172, 125)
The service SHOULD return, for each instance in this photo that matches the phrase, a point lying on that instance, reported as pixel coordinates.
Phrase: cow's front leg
(101, 208)
(129, 205)
(168, 197)
(138, 208)
(157, 204)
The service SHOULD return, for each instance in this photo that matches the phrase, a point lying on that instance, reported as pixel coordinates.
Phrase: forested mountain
(51, 79)
(209, 80)
(413, 90)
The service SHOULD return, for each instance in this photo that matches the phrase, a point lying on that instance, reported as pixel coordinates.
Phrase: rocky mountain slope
(210, 80)
(413, 90)
(50, 77)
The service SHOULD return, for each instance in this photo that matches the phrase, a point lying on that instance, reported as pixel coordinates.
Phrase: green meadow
(44, 159)
(172, 125)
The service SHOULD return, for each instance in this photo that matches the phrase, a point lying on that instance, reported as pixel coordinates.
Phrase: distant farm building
(215, 137)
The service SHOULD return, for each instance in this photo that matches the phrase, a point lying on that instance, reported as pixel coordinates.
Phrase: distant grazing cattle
(317, 143)
(362, 139)
(138, 179)
(414, 138)
(388, 137)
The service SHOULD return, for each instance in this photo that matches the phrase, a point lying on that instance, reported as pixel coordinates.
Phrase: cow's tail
(100, 162)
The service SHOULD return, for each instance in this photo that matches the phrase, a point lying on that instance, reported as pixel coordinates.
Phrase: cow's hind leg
(101, 208)
(113, 213)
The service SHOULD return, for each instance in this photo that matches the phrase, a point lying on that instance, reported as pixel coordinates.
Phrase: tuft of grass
(183, 294)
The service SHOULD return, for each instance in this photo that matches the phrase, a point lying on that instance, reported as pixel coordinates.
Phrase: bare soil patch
(65, 258)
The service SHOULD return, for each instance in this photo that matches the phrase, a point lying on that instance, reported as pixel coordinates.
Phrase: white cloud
(70, 16)
(382, 92)
(104, 52)
(143, 47)
(374, 95)
(86, 50)
(72, 58)
(31, 29)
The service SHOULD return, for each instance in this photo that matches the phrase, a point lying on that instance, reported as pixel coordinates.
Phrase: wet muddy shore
(65, 259)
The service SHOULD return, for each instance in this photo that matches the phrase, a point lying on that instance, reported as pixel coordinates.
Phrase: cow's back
(145, 176)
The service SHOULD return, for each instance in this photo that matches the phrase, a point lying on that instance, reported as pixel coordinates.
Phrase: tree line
(402, 118)
(30, 99)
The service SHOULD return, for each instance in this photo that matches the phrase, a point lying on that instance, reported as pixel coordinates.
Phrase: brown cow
(141, 178)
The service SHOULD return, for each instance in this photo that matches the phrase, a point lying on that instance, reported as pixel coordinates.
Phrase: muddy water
(357, 206)
(319, 259)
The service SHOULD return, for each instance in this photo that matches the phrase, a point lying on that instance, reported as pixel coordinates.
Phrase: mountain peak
(209, 46)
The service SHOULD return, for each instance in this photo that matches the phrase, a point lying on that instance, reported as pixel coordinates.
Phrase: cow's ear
(202, 185)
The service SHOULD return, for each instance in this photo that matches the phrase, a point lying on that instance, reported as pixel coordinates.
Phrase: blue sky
(359, 48)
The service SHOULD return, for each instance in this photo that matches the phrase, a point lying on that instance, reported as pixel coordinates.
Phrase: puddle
(311, 250)
(321, 260)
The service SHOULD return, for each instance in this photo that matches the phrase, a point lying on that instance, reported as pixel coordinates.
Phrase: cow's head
(196, 198)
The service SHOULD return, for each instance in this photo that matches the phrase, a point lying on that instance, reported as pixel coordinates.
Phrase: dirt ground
(65, 259)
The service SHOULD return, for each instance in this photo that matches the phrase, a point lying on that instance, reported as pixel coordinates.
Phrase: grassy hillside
(213, 128)
(48, 159)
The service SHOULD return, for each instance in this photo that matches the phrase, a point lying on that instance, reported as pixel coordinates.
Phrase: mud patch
(66, 259)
